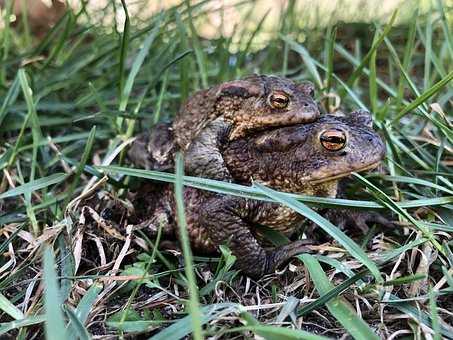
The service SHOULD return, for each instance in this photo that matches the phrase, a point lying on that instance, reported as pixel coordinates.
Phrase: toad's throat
(325, 187)
(343, 174)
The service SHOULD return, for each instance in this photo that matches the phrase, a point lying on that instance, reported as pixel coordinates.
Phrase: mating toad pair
(261, 128)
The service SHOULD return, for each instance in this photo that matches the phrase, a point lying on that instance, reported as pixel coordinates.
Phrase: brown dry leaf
(101, 251)
(88, 191)
(48, 233)
(437, 108)
(11, 263)
(427, 257)
(77, 245)
(108, 227)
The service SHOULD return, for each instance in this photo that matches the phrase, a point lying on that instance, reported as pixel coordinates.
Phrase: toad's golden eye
(333, 139)
(278, 100)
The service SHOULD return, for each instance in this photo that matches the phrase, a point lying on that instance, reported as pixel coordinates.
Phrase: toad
(305, 158)
(232, 110)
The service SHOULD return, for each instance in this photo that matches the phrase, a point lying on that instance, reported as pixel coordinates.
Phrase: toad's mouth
(344, 174)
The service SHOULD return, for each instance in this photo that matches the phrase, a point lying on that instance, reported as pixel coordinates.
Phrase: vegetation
(71, 103)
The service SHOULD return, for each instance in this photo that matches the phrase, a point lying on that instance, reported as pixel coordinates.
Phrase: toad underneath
(305, 158)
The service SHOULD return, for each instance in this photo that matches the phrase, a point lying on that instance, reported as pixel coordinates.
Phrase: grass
(70, 104)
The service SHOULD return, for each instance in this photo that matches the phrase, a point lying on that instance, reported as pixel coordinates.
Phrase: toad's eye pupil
(333, 139)
(279, 101)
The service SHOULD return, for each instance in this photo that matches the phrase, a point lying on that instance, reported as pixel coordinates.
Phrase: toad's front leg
(225, 218)
(203, 156)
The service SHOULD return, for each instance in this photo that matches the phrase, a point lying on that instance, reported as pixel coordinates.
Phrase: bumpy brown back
(193, 116)
(246, 104)
(206, 105)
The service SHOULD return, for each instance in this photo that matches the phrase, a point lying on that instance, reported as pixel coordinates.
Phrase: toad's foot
(226, 221)
(282, 254)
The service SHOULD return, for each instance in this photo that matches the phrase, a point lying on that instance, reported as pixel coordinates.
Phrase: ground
(72, 99)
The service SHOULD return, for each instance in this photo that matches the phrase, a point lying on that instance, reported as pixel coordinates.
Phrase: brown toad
(305, 158)
(232, 110)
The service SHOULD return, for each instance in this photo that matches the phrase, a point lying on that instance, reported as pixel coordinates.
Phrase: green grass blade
(372, 78)
(7, 12)
(36, 137)
(137, 64)
(403, 71)
(414, 312)
(391, 254)
(417, 181)
(330, 59)
(254, 193)
(435, 322)
(382, 197)
(10, 98)
(37, 184)
(83, 308)
(29, 321)
(185, 66)
(308, 60)
(81, 165)
(402, 280)
(339, 266)
(66, 266)
(272, 332)
(160, 99)
(77, 327)
(408, 52)
(277, 333)
(35, 126)
(446, 25)
(199, 53)
(448, 276)
(352, 247)
(10, 238)
(183, 327)
(428, 52)
(422, 98)
(354, 61)
(50, 36)
(194, 307)
(358, 71)
(58, 46)
(332, 293)
(10, 309)
(25, 25)
(252, 38)
(338, 307)
(54, 325)
(124, 43)
(348, 89)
